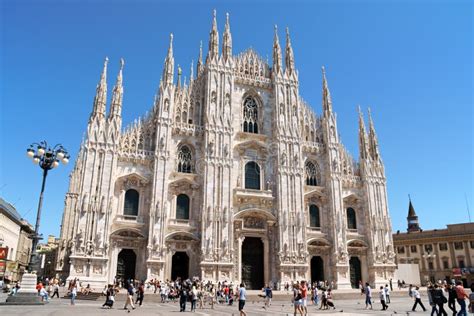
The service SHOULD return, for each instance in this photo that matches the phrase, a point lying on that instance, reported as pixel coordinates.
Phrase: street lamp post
(429, 258)
(47, 158)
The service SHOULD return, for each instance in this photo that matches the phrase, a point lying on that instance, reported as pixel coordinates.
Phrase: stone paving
(398, 306)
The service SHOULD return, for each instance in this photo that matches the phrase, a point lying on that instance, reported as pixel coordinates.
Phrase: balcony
(129, 219)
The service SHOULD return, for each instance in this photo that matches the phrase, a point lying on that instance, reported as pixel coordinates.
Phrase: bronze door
(252, 263)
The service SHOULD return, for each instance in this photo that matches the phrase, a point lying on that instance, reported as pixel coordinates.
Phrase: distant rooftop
(10, 210)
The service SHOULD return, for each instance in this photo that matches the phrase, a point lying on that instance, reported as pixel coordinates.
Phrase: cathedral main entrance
(126, 263)
(252, 263)
(355, 272)
(317, 269)
(180, 266)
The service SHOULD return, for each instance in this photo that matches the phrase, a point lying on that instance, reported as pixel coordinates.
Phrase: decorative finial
(122, 63)
(323, 70)
(179, 70)
(214, 12)
(227, 17)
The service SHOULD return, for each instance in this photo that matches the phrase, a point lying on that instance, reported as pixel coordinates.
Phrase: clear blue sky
(410, 61)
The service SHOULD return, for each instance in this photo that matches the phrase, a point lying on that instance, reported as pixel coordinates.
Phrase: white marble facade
(233, 157)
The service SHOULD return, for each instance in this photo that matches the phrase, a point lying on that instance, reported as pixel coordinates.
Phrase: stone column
(452, 254)
(437, 259)
(239, 264)
(422, 252)
(266, 261)
(468, 253)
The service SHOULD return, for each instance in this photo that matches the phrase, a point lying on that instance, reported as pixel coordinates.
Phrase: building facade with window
(442, 254)
(231, 176)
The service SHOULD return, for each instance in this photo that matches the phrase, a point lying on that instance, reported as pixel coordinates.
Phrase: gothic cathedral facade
(229, 177)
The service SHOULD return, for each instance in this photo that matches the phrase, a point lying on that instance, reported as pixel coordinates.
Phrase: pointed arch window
(351, 218)
(314, 220)
(130, 206)
(311, 174)
(250, 124)
(182, 207)
(252, 176)
(185, 159)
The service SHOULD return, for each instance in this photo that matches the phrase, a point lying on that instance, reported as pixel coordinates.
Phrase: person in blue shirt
(242, 298)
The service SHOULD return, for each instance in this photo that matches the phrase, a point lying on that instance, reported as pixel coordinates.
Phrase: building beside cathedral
(229, 177)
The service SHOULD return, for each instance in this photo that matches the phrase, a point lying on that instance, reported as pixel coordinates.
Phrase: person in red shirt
(461, 296)
(304, 296)
(39, 286)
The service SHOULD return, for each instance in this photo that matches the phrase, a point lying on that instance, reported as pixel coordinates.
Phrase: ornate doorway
(317, 269)
(355, 271)
(180, 266)
(126, 263)
(252, 263)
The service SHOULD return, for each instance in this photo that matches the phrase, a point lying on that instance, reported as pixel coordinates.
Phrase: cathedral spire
(213, 40)
(412, 218)
(100, 98)
(276, 52)
(168, 69)
(373, 142)
(117, 94)
(227, 40)
(178, 81)
(191, 72)
(327, 102)
(363, 148)
(199, 63)
(289, 58)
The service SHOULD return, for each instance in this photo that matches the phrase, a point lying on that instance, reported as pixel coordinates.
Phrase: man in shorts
(242, 294)
(304, 296)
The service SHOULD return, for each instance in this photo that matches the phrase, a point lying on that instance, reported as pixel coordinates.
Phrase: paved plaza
(354, 306)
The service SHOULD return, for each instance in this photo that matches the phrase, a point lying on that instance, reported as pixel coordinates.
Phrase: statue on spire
(289, 58)
(227, 40)
(199, 62)
(168, 69)
(100, 98)
(363, 147)
(327, 102)
(213, 40)
(276, 53)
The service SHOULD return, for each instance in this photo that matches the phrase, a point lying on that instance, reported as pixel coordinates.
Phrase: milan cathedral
(231, 176)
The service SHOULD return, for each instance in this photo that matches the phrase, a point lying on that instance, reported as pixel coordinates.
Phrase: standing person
(387, 293)
(140, 294)
(194, 296)
(461, 297)
(391, 285)
(410, 290)
(183, 297)
(242, 298)
(304, 297)
(129, 299)
(368, 296)
(73, 289)
(361, 287)
(452, 296)
(434, 308)
(417, 296)
(324, 299)
(383, 298)
(315, 296)
(439, 299)
(268, 296)
(471, 299)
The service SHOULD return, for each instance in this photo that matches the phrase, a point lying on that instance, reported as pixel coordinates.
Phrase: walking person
(140, 294)
(129, 299)
(109, 296)
(55, 289)
(324, 299)
(368, 296)
(387, 293)
(452, 296)
(439, 299)
(297, 299)
(330, 300)
(315, 295)
(383, 298)
(242, 297)
(434, 307)
(461, 297)
(417, 296)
